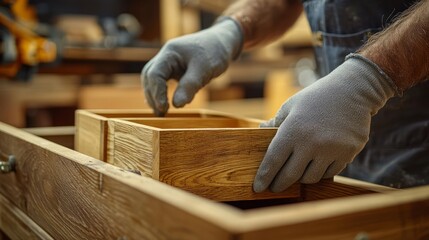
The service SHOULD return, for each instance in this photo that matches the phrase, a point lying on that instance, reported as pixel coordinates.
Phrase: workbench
(58, 193)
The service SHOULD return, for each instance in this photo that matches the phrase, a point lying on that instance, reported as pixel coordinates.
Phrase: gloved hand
(323, 127)
(193, 60)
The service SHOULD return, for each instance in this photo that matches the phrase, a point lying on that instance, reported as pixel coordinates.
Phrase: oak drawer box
(91, 126)
(58, 193)
(214, 155)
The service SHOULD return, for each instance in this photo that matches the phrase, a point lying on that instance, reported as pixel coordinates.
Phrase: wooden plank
(131, 148)
(341, 187)
(216, 164)
(74, 196)
(363, 185)
(144, 113)
(92, 127)
(191, 123)
(16, 225)
(90, 134)
(392, 215)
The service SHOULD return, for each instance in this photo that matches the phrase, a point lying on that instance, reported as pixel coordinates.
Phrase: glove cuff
(385, 77)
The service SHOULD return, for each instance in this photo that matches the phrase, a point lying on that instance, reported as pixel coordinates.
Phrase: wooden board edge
(316, 211)
(363, 185)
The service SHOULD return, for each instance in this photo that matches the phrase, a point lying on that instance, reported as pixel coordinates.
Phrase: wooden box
(92, 126)
(58, 193)
(211, 154)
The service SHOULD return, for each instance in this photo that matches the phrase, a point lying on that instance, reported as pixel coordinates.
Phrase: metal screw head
(9, 166)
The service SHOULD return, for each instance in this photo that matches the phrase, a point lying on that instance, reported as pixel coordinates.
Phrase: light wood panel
(216, 163)
(73, 196)
(90, 134)
(131, 148)
(92, 126)
(342, 187)
(192, 123)
(391, 215)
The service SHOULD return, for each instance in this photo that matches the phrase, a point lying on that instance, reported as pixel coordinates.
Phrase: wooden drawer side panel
(133, 148)
(393, 215)
(73, 196)
(90, 133)
(216, 164)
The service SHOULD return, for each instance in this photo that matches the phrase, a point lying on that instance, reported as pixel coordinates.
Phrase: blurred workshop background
(61, 55)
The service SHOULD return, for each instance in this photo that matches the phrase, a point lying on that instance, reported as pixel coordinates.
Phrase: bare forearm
(402, 50)
(264, 20)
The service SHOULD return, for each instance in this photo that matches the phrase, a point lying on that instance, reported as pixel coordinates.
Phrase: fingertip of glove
(161, 109)
(159, 113)
(259, 185)
(258, 188)
(180, 99)
(275, 188)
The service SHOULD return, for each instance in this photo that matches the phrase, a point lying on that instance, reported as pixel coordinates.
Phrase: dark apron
(397, 153)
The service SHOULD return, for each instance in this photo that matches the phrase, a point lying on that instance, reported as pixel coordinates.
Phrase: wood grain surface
(90, 133)
(74, 196)
(131, 147)
(395, 215)
(341, 187)
(216, 163)
(192, 123)
(92, 126)
(17, 225)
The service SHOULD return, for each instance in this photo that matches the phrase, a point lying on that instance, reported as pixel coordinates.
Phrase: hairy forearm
(402, 50)
(264, 20)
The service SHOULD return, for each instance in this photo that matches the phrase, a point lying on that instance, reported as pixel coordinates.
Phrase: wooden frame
(69, 195)
(175, 150)
(92, 126)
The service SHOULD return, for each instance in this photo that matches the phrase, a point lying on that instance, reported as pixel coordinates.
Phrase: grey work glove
(323, 127)
(193, 60)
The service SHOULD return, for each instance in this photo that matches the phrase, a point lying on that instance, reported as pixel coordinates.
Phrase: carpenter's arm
(402, 50)
(264, 20)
